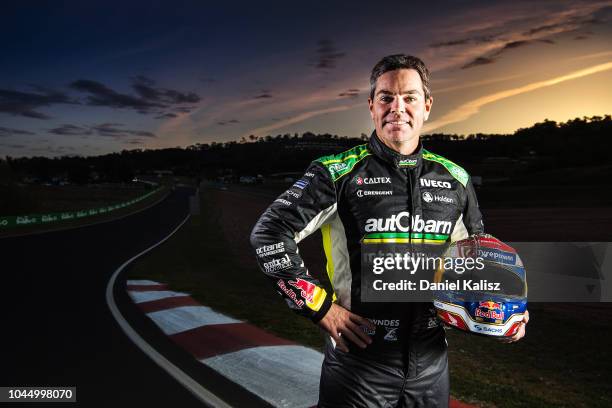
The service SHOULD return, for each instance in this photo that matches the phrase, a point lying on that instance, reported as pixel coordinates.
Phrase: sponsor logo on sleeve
(282, 201)
(301, 184)
(269, 250)
(278, 264)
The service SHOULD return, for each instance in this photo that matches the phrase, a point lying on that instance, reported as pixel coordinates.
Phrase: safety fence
(48, 218)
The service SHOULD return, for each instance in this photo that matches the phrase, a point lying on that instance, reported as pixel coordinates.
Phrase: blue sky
(95, 77)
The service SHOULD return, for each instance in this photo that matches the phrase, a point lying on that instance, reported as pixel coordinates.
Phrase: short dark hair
(400, 61)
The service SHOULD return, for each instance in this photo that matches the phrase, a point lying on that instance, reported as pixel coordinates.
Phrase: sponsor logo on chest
(434, 183)
(372, 180)
(403, 222)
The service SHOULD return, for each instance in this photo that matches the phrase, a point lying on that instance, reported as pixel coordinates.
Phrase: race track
(58, 329)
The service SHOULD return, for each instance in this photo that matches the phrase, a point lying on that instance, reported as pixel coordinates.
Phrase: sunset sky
(91, 77)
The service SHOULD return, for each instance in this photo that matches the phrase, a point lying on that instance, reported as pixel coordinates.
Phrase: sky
(89, 78)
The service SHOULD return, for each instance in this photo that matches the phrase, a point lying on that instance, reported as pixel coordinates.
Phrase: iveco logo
(372, 180)
(435, 183)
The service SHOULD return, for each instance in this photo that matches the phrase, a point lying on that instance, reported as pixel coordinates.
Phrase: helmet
(489, 299)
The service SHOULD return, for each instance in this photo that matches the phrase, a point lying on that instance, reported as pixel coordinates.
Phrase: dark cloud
(71, 130)
(492, 57)
(327, 55)
(478, 61)
(264, 94)
(4, 131)
(145, 88)
(26, 104)
(581, 37)
(473, 40)
(101, 95)
(134, 142)
(183, 109)
(148, 100)
(166, 116)
(12, 145)
(350, 93)
(116, 130)
(228, 122)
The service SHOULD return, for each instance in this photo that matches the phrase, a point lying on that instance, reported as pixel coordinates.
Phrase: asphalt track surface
(57, 329)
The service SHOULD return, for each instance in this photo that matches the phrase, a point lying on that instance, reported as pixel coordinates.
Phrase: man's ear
(428, 104)
(371, 107)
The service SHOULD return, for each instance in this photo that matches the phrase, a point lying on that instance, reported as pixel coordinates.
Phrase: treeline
(578, 142)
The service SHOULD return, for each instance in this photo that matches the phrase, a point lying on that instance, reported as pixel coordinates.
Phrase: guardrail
(12, 221)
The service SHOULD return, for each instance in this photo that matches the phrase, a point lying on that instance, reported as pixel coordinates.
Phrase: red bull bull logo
(307, 289)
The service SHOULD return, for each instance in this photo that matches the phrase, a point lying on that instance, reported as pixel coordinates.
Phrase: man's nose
(398, 106)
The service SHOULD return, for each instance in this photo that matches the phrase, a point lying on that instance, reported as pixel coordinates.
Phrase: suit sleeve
(295, 214)
(472, 217)
(470, 220)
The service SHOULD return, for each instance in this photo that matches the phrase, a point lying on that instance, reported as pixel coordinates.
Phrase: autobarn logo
(434, 183)
(429, 198)
(403, 222)
(371, 180)
(278, 264)
(368, 193)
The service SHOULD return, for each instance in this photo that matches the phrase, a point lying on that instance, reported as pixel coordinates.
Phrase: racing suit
(355, 198)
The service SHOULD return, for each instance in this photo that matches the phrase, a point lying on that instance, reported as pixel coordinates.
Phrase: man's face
(399, 107)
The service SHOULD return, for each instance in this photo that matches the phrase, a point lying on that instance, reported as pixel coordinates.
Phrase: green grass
(563, 361)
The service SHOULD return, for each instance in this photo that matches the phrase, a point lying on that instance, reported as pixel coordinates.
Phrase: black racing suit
(356, 197)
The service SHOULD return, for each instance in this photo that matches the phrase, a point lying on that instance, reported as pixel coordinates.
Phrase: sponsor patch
(371, 180)
(278, 264)
(403, 222)
(268, 250)
(429, 198)
(367, 193)
(301, 184)
(282, 201)
(434, 183)
(391, 333)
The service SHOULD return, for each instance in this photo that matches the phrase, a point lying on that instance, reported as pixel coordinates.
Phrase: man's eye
(410, 99)
(386, 99)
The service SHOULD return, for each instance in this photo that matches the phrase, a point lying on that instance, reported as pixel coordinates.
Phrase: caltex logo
(359, 180)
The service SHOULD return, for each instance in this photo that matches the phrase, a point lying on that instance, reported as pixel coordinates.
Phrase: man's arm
(470, 220)
(472, 217)
(294, 215)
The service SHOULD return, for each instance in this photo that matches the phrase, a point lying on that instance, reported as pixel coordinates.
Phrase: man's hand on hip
(343, 325)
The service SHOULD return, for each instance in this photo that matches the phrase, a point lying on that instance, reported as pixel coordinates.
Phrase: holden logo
(359, 180)
(427, 197)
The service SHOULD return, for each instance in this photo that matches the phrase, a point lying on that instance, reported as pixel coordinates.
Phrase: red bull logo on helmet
(489, 310)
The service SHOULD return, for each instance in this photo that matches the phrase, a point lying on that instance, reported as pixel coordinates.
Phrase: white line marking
(183, 318)
(193, 386)
(148, 296)
(284, 376)
(143, 282)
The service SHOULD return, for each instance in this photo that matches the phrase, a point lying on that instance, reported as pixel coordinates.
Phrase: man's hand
(343, 325)
(520, 333)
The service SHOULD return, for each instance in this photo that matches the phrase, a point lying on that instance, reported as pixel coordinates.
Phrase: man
(379, 354)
